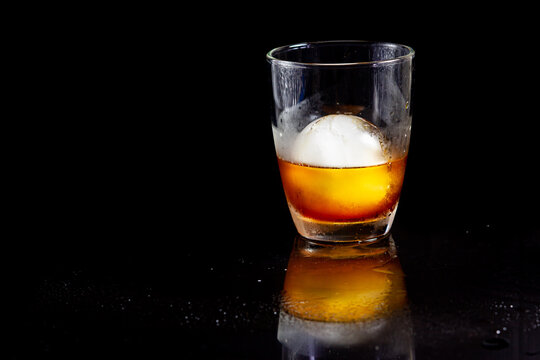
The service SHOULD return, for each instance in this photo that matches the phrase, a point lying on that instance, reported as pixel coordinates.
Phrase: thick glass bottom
(363, 231)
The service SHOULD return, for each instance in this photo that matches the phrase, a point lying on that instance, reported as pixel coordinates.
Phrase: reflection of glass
(341, 131)
(346, 301)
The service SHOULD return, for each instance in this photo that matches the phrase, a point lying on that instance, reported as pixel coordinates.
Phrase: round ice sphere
(339, 141)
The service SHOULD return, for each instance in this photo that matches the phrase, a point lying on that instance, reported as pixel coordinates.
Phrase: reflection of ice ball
(339, 141)
(298, 333)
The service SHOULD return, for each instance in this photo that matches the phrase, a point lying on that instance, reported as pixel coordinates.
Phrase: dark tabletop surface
(473, 292)
(143, 230)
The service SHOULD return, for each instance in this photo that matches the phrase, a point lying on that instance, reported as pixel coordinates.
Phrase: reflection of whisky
(343, 194)
(344, 283)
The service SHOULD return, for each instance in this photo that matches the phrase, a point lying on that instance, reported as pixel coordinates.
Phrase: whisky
(351, 194)
(342, 177)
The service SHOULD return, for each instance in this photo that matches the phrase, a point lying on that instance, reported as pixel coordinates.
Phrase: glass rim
(270, 56)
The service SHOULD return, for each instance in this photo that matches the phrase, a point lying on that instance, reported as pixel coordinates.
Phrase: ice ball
(339, 141)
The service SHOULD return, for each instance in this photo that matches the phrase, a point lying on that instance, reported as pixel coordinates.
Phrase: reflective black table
(467, 293)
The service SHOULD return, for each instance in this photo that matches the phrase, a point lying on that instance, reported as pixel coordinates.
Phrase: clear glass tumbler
(341, 128)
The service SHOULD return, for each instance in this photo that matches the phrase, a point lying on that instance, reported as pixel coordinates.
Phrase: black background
(149, 117)
(146, 156)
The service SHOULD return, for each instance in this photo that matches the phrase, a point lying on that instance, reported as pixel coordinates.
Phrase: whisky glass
(341, 127)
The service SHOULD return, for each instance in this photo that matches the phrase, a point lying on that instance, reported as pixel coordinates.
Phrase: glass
(345, 302)
(341, 129)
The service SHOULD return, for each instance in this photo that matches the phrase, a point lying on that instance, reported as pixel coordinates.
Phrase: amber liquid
(343, 194)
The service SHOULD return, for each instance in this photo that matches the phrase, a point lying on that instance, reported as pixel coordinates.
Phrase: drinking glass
(341, 128)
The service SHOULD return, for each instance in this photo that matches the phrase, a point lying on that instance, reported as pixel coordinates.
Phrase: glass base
(362, 231)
